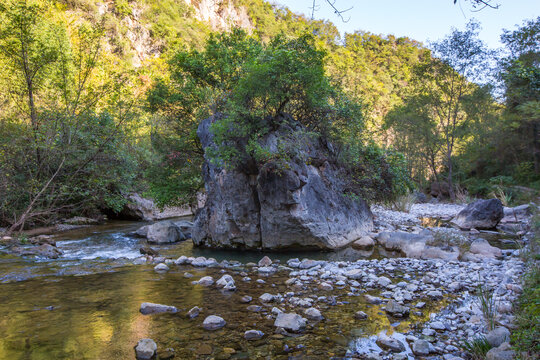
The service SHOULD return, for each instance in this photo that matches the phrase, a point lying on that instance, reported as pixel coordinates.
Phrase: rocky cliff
(299, 205)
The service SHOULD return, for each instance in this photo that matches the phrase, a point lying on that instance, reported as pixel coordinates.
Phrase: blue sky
(422, 20)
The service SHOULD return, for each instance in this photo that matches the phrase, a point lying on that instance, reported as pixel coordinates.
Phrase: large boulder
(299, 205)
(140, 208)
(481, 214)
(164, 232)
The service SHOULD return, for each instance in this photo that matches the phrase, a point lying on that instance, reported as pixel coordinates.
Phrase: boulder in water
(258, 206)
(145, 349)
(164, 232)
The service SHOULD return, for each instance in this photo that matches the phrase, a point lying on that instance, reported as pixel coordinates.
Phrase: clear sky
(421, 20)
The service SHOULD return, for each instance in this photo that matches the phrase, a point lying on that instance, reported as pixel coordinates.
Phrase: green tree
(520, 72)
(62, 144)
(443, 92)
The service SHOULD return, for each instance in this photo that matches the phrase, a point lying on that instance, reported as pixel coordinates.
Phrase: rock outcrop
(139, 208)
(481, 214)
(300, 205)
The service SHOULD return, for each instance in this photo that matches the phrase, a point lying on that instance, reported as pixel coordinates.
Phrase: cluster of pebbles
(400, 286)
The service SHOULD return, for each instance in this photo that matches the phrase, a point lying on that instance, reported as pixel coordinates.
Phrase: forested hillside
(100, 99)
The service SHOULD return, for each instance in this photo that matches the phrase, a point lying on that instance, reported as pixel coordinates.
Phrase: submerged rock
(253, 335)
(193, 312)
(313, 314)
(145, 349)
(151, 308)
(290, 322)
(206, 281)
(481, 214)
(213, 322)
(161, 267)
(301, 206)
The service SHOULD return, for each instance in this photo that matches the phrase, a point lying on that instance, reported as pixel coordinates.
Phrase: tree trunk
(536, 146)
(450, 180)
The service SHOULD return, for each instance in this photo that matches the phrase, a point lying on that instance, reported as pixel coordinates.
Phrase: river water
(85, 305)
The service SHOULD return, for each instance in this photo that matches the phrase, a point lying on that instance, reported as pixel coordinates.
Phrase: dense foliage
(80, 130)
(258, 86)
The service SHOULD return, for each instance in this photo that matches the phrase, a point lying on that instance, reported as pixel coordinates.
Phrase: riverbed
(85, 305)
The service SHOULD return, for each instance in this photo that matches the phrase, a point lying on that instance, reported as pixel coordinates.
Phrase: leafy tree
(521, 76)
(198, 84)
(63, 145)
(443, 93)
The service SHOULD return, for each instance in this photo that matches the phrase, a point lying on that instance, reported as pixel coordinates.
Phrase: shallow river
(85, 305)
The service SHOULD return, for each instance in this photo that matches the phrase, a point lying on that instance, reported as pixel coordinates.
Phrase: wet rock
(199, 261)
(266, 270)
(503, 352)
(43, 239)
(181, 260)
(147, 250)
(498, 336)
(226, 281)
(308, 263)
(421, 348)
(194, 312)
(151, 308)
(246, 299)
(145, 349)
(390, 344)
(206, 281)
(290, 322)
(313, 314)
(141, 232)
(213, 322)
(44, 251)
(253, 335)
(360, 315)
(265, 261)
(396, 310)
(161, 267)
(266, 298)
(164, 232)
(254, 308)
(481, 214)
(204, 349)
(166, 354)
(364, 243)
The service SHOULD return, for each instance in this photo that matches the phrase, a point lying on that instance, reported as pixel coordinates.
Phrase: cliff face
(133, 32)
(301, 205)
(221, 15)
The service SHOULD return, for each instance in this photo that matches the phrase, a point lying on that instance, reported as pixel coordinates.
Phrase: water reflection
(97, 317)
